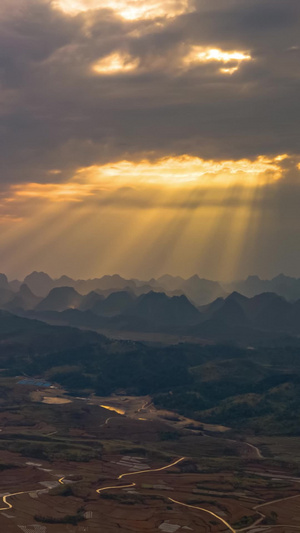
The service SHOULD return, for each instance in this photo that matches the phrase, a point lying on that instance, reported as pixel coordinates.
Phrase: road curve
(152, 469)
(137, 473)
(116, 487)
(205, 511)
(9, 505)
(219, 518)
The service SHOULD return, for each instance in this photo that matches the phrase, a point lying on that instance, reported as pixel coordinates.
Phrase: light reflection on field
(55, 401)
(115, 409)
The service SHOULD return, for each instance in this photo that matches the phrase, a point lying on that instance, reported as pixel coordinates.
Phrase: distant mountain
(115, 281)
(105, 283)
(208, 310)
(202, 291)
(15, 285)
(59, 299)
(189, 308)
(270, 311)
(266, 313)
(89, 301)
(282, 285)
(115, 304)
(24, 299)
(122, 311)
(39, 283)
(230, 314)
(146, 287)
(64, 281)
(4, 282)
(199, 291)
(70, 317)
(5, 296)
(238, 298)
(170, 283)
(160, 310)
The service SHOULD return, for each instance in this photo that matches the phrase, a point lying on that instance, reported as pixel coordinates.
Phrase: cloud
(57, 112)
(173, 182)
(128, 9)
(148, 229)
(151, 83)
(115, 63)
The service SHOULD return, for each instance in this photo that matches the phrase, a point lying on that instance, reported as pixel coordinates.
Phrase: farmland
(179, 476)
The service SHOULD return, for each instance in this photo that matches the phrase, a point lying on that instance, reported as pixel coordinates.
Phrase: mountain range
(118, 305)
(198, 290)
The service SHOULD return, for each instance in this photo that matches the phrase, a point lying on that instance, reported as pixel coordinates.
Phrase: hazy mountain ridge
(199, 291)
(282, 285)
(234, 317)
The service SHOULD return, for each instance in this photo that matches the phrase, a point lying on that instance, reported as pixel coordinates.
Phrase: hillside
(59, 299)
(257, 390)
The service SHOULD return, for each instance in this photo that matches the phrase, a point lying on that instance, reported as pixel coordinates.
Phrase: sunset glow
(128, 9)
(229, 70)
(199, 54)
(185, 170)
(177, 173)
(115, 63)
(149, 125)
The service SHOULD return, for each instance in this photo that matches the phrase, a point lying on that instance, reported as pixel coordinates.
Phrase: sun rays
(147, 215)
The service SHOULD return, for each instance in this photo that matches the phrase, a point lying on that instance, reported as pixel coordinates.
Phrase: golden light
(144, 179)
(128, 9)
(105, 213)
(200, 54)
(225, 57)
(229, 71)
(56, 192)
(54, 171)
(184, 170)
(115, 63)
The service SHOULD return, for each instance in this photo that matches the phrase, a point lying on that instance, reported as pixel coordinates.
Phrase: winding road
(133, 484)
(9, 505)
(137, 473)
(205, 511)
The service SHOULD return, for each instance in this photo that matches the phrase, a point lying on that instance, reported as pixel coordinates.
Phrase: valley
(97, 432)
(150, 266)
(142, 470)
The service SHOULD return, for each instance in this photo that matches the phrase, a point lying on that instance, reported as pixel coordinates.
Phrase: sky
(144, 137)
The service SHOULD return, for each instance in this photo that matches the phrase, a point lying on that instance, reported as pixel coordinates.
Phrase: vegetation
(246, 521)
(48, 450)
(271, 519)
(7, 466)
(257, 389)
(68, 519)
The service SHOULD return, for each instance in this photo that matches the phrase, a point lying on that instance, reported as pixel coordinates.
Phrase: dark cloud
(56, 113)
